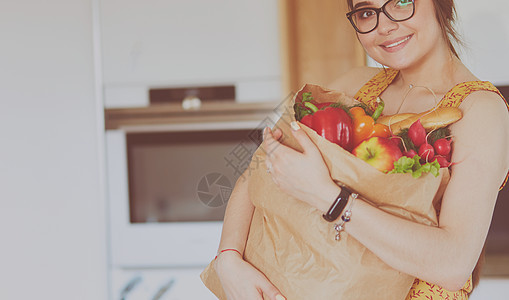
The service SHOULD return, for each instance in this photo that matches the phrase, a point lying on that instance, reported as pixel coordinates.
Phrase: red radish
(449, 156)
(417, 133)
(426, 152)
(442, 161)
(442, 146)
(410, 153)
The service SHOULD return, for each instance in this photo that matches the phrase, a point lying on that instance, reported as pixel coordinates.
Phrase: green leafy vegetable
(414, 167)
(306, 97)
(340, 105)
(304, 107)
(438, 134)
(409, 145)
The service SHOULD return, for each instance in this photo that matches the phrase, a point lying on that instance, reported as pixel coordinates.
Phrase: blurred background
(125, 125)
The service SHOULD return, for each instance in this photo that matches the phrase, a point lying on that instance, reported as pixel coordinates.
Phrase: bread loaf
(430, 120)
(393, 119)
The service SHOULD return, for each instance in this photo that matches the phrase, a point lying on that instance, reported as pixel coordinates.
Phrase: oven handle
(165, 288)
(129, 287)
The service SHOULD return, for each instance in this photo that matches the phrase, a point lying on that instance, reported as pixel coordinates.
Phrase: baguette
(393, 119)
(430, 120)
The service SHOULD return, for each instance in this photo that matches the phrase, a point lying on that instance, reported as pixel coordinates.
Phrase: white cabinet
(161, 43)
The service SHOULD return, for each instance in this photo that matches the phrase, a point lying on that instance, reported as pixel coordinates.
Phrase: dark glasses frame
(350, 14)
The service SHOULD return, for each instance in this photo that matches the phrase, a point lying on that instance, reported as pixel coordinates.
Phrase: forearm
(429, 253)
(238, 215)
(400, 243)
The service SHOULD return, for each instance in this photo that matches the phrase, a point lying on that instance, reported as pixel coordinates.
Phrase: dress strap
(375, 86)
(459, 92)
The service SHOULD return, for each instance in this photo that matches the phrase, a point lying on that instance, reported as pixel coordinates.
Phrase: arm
(240, 280)
(444, 255)
(237, 218)
(239, 212)
(447, 254)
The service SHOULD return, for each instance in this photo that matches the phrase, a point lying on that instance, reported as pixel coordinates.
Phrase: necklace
(410, 87)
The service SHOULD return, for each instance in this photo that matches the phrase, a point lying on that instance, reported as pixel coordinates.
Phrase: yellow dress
(368, 94)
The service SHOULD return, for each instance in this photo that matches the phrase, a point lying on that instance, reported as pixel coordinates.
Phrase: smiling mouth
(397, 43)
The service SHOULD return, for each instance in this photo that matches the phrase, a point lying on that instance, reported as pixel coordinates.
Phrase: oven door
(168, 191)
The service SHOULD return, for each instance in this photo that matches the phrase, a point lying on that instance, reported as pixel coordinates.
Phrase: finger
(271, 291)
(270, 144)
(267, 142)
(303, 139)
(277, 133)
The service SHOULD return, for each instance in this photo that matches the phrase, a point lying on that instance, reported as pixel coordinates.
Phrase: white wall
(52, 222)
(484, 27)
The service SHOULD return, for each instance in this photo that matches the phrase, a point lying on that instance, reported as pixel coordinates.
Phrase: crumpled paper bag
(294, 246)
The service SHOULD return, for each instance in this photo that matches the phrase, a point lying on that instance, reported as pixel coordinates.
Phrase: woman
(412, 38)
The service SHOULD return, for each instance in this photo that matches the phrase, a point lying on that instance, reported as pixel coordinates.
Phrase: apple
(379, 152)
(396, 139)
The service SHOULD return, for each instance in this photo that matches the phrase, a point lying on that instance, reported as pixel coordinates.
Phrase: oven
(170, 174)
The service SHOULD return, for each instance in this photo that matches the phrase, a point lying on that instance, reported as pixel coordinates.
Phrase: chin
(398, 65)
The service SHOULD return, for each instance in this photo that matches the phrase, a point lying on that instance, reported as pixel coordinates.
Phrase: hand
(302, 175)
(242, 281)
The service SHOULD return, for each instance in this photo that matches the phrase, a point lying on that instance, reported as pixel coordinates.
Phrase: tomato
(381, 130)
(362, 128)
(357, 111)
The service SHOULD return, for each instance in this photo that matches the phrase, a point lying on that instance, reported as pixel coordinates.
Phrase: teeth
(397, 43)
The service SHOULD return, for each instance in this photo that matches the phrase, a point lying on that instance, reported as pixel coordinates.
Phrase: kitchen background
(63, 63)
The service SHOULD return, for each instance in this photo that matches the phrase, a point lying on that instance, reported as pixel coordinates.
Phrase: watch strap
(338, 205)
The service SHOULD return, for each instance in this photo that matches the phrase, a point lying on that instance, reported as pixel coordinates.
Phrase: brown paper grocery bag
(294, 246)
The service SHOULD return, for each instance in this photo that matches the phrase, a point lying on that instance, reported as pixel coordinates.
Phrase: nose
(386, 25)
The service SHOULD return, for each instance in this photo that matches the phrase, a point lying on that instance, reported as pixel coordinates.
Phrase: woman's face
(401, 45)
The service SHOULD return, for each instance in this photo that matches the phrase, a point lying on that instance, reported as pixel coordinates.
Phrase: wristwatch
(338, 206)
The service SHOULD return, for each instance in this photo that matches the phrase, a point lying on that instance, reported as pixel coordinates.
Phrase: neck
(436, 71)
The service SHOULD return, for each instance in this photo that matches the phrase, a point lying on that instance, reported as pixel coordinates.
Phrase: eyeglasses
(365, 20)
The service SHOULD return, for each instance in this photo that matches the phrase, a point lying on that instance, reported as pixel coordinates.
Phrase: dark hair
(445, 11)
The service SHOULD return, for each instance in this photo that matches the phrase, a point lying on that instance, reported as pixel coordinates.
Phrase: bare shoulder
(483, 131)
(485, 110)
(485, 104)
(351, 81)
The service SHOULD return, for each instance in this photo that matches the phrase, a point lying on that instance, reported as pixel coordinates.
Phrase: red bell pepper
(327, 119)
